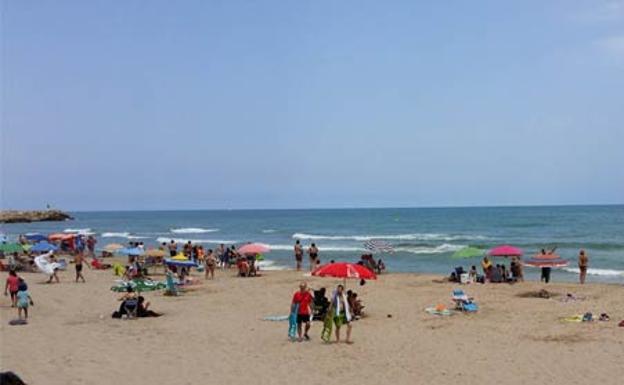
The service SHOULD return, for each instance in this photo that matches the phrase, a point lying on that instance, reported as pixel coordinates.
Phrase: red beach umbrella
(546, 260)
(254, 248)
(505, 251)
(344, 270)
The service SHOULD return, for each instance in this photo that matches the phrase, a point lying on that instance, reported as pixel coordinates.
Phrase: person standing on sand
(23, 300)
(173, 248)
(78, 261)
(304, 299)
(221, 254)
(583, 264)
(91, 241)
(298, 254)
(313, 253)
(211, 263)
(487, 268)
(54, 276)
(342, 313)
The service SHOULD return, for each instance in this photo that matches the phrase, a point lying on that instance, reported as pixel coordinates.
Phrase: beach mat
(435, 311)
(276, 318)
(16, 322)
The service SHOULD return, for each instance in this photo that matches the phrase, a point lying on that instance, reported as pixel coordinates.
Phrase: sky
(302, 104)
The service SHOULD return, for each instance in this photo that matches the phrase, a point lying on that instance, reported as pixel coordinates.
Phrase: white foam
(400, 237)
(270, 265)
(269, 231)
(192, 230)
(321, 248)
(115, 235)
(443, 248)
(180, 240)
(79, 231)
(603, 272)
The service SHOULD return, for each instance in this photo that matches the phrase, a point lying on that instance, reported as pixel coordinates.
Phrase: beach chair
(463, 302)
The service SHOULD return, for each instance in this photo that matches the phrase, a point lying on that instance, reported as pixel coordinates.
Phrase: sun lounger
(463, 302)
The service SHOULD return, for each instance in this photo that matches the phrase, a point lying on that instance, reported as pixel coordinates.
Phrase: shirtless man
(583, 264)
(78, 260)
(298, 254)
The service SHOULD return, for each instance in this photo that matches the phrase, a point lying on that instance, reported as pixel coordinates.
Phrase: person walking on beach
(23, 300)
(11, 287)
(304, 299)
(54, 276)
(298, 254)
(78, 262)
(313, 253)
(342, 312)
(583, 264)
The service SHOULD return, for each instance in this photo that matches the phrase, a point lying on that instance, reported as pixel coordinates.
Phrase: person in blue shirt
(23, 300)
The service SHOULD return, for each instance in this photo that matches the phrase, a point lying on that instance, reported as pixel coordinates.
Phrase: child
(12, 284)
(472, 275)
(23, 300)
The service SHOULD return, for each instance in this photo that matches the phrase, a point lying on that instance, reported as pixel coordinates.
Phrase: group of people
(313, 255)
(341, 310)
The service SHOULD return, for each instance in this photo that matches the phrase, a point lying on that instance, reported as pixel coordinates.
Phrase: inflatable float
(44, 265)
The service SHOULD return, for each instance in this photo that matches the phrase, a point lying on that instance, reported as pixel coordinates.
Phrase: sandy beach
(215, 334)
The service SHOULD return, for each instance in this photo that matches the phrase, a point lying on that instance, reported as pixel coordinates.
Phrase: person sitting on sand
(12, 286)
(342, 313)
(23, 300)
(583, 264)
(355, 305)
(304, 299)
(143, 309)
(472, 274)
(243, 266)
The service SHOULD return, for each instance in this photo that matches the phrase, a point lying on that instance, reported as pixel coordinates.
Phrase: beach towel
(574, 318)
(15, 322)
(327, 327)
(439, 310)
(336, 305)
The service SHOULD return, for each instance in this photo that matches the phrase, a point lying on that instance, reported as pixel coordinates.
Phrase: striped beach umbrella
(378, 246)
(546, 260)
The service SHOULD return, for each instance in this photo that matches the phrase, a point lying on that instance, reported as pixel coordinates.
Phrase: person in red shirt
(12, 285)
(304, 299)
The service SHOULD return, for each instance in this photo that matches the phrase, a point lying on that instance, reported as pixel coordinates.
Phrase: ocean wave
(213, 241)
(321, 248)
(268, 265)
(122, 235)
(409, 237)
(603, 272)
(192, 230)
(79, 231)
(443, 248)
(269, 231)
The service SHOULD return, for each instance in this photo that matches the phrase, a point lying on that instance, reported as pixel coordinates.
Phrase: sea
(423, 239)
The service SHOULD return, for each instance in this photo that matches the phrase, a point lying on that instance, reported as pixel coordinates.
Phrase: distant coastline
(27, 216)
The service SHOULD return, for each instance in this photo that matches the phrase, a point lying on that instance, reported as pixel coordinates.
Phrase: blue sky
(261, 104)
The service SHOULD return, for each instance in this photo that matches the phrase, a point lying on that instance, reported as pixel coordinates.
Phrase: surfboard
(292, 322)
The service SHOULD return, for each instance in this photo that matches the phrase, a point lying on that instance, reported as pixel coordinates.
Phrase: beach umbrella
(35, 237)
(11, 248)
(3, 238)
(113, 247)
(156, 253)
(133, 251)
(378, 246)
(254, 248)
(344, 270)
(182, 262)
(546, 260)
(468, 252)
(43, 246)
(505, 251)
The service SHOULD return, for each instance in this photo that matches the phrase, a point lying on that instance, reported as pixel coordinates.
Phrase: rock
(14, 216)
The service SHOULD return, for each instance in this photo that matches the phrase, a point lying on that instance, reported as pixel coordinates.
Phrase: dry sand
(216, 335)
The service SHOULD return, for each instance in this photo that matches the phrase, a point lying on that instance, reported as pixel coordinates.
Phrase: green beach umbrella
(468, 252)
(11, 248)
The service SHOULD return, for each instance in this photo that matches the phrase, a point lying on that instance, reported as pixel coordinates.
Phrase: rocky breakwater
(15, 216)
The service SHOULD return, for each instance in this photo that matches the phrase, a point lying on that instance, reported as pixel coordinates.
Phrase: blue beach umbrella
(35, 237)
(43, 247)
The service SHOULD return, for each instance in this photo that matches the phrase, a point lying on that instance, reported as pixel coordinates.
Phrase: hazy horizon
(236, 105)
